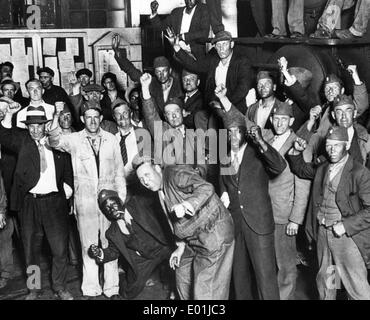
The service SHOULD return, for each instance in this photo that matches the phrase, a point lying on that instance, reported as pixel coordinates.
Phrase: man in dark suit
(38, 194)
(166, 84)
(244, 190)
(191, 23)
(338, 216)
(135, 234)
(225, 67)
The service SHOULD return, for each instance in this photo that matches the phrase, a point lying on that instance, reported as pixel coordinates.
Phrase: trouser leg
(286, 252)
(278, 20)
(295, 16)
(361, 18)
(6, 250)
(327, 278)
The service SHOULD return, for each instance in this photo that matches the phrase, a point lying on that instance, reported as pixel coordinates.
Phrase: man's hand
(170, 35)
(256, 133)
(220, 91)
(352, 69)
(175, 258)
(13, 108)
(339, 229)
(225, 199)
(292, 229)
(95, 252)
(2, 221)
(283, 64)
(300, 144)
(315, 113)
(116, 40)
(154, 7)
(179, 210)
(145, 80)
(59, 107)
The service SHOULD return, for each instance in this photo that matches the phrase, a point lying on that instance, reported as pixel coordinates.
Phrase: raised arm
(125, 65)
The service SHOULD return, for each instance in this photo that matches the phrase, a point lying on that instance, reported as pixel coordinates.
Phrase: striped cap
(35, 115)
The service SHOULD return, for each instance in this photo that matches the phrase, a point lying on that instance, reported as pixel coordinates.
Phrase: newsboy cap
(337, 133)
(88, 105)
(93, 87)
(283, 109)
(84, 71)
(333, 78)
(161, 62)
(342, 100)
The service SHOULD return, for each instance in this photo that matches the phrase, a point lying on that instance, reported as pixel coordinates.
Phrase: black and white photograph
(183, 155)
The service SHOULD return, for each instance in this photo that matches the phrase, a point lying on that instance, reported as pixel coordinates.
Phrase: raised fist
(59, 107)
(283, 63)
(145, 80)
(315, 112)
(116, 40)
(256, 133)
(154, 6)
(95, 252)
(300, 144)
(220, 91)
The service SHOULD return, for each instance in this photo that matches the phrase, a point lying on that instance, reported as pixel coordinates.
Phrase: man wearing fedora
(338, 216)
(97, 164)
(38, 194)
(225, 66)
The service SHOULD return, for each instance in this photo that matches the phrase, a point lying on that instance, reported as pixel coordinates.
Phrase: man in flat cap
(166, 83)
(52, 93)
(91, 92)
(338, 216)
(177, 145)
(222, 66)
(191, 23)
(289, 198)
(135, 234)
(344, 114)
(97, 164)
(201, 224)
(38, 194)
(84, 77)
(244, 187)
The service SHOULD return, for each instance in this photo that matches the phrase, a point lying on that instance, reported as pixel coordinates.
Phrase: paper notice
(20, 73)
(72, 46)
(18, 47)
(4, 52)
(49, 46)
(30, 56)
(52, 63)
(66, 62)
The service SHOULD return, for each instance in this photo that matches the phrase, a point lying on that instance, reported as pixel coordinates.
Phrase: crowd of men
(204, 174)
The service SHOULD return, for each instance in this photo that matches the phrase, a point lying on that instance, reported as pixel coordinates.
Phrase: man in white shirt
(191, 23)
(38, 194)
(35, 91)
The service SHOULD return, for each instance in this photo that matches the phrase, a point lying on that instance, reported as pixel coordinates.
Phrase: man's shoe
(296, 35)
(33, 295)
(64, 295)
(3, 282)
(321, 34)
(274, 36)
(344, 34)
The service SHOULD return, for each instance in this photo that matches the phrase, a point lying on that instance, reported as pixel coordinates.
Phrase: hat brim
(215, 40)
(35, 121)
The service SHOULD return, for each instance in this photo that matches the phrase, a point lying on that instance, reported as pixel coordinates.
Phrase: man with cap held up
(135, 234)
(244, 176)
(289, 198)
(344, 114)
(225, 66)
(338, 218)
(97, 165)
(38, 194)
(166, 83)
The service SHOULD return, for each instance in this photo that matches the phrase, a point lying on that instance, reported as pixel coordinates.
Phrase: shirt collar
(283, 136)
(266, 105)
(191, 12)
(189, 95)
(238, 153)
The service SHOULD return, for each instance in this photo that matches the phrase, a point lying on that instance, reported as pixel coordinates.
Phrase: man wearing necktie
(338, 219)
(244, 191)
(97, 164)
(38, 194)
